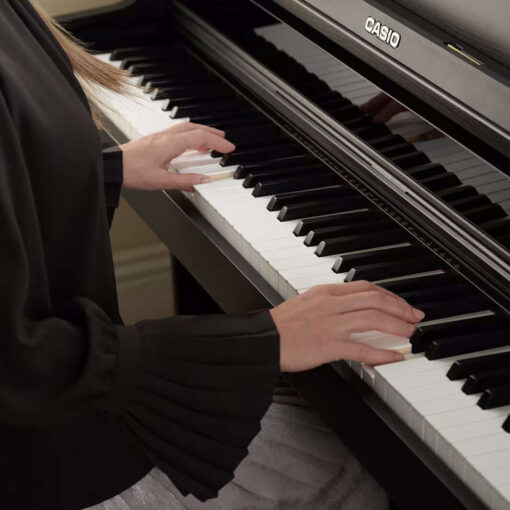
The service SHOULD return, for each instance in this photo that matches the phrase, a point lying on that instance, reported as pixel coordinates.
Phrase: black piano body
(437, 66)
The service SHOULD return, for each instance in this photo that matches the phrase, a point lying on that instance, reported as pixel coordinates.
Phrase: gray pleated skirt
(295, 463)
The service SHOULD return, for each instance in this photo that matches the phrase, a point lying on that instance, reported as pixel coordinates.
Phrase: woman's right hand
(315, 327)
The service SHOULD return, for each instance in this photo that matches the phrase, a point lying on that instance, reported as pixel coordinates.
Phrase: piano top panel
(449, 81)
(482, 24)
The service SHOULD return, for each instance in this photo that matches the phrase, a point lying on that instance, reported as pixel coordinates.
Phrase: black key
(318, 207)
(321, 234)
(152, 81)
(496, 227)
(495, 397)
(211, 107)
(318, 180)
(306, 225)
(281, 200)
(122, 53)
(359, 122)
(427, 334)
(470, 203)
(444, 301)
(254, 178)
(181, 62)
(461, 305)
(349, 261)
(439, 182)
(345, 113)
(270, 141)
(422, 283)
(330, 100)
(406, 161)
(162, 81)
(398, 150)
(165, 67)
(431, 295)
(226, 120)
(463, 368)
(242, 134)
(506, 425)
(481, 381)
(457, 193)
(262, 154)
(180, 95)
(372, 131)
(485, 213)
(393, 269)
(471, 342)
(381, 142)
(504, 240)
(262, 166)
(189, 100)
(310, 87)
(127, 62)
(361, 242)
(231, 123)
(425, 171)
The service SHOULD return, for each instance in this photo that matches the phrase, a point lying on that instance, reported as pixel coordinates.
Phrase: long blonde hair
(92, 72)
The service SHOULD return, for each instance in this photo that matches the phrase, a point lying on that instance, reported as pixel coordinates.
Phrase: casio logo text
(382, 32)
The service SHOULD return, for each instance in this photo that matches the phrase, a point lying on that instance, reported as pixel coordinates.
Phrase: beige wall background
(142, 267)
(142, 262)
(68, 9)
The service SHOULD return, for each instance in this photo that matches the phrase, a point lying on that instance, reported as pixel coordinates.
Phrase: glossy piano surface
(284, 220)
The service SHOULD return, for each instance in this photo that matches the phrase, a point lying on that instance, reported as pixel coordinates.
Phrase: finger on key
(366, 354)
(190, 126)
(342, 289)
(200, 140)
(373, 300)
(372, 320)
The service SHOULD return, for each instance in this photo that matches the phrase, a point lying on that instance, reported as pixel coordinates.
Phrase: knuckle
(374, 297)
(322, 300)
(314, 291)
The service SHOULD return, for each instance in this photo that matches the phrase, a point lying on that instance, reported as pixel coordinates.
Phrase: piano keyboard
(456, 159)
(300, 225)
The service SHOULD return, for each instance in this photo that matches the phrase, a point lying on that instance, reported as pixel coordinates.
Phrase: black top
(483, 24)
(87, 405)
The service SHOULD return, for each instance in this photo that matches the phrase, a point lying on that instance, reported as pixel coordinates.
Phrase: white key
(194, 160)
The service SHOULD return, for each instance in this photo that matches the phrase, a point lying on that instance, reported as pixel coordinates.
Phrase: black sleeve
(203, 386)
(191, 390)
(113, 171)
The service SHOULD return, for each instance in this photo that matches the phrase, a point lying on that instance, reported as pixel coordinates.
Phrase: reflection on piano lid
(299, 224)
(454, 158)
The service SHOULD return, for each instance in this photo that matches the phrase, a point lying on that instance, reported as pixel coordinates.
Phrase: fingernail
(399, 357)
(418, 314)
(205, 180)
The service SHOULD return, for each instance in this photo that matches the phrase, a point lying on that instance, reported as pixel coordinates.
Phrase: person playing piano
(88, 406)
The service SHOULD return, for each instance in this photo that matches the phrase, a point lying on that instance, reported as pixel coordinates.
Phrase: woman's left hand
(146, 161)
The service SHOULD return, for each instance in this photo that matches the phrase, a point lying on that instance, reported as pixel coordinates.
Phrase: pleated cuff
(203, 386)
